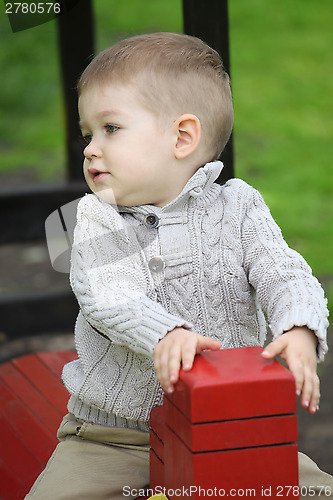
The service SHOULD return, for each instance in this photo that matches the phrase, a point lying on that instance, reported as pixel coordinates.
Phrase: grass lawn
(282, 77)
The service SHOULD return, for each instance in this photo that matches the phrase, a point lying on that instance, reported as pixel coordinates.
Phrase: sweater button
(156, 264)
(151, 220)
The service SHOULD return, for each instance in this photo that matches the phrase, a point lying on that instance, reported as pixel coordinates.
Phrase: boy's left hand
(298, 348)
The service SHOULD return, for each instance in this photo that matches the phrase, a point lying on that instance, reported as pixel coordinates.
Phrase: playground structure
(229, 426)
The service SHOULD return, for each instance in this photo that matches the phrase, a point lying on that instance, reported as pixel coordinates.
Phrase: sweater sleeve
(112, 282)
(288, 292)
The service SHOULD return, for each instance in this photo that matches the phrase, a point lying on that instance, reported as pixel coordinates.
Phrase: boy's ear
(188, 130)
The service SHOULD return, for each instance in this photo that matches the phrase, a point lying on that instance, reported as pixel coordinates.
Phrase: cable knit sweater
(210, 261)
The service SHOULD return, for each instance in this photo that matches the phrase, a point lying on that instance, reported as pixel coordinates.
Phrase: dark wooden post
(209, 22)
(76, 48)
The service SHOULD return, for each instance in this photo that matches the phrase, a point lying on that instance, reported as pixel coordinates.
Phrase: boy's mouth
(96, 175)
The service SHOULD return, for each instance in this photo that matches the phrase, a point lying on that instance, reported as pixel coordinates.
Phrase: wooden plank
(29, 429)
(44, 380)
(156, 470)
(23, 210)
(48, 414)
(157, 445)
(238, 377)
(18, 457)
(56, 360)
(32, 403)
(76, 48)
(231, 434)
(11, 488)
(209, 22)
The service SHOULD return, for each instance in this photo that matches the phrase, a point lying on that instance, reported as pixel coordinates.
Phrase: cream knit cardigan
(215, 259)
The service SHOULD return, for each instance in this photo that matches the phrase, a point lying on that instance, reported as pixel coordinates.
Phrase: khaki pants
(93, 462)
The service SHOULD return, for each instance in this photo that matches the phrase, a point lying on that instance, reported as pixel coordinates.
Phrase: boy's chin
(107, 195)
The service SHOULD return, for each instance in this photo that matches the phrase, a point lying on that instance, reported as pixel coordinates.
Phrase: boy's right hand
(177, 348)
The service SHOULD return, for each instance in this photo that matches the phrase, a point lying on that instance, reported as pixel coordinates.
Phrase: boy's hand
(178, 347)
(298, 348)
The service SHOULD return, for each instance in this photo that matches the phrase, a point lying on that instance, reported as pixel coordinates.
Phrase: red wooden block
(240, 472)
(157, 421)
(230, 424)
(234, 384)
(157, 445)
(229, 434)
(157, 429)
(156, 471)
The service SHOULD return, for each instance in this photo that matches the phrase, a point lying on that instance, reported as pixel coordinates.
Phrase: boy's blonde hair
(174, 74)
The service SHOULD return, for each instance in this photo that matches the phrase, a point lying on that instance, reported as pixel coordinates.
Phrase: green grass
(282, 76)
(32, 122)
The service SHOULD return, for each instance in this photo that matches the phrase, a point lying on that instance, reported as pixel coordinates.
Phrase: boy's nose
(92, 150)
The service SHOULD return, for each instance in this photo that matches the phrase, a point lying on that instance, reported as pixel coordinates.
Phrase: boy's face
(129, 155)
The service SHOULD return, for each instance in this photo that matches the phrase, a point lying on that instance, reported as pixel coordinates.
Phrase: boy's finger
(314, 403)
(188, 355)
(162, 368)
(190, 350)
(207, 343)
(310, 392)
(173, 366)
(274, 348)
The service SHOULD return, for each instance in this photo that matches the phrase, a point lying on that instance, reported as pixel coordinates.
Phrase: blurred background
(282, 82)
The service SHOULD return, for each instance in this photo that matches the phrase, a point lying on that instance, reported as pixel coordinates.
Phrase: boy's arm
(112, 282)
(286, 289)
(291, 297)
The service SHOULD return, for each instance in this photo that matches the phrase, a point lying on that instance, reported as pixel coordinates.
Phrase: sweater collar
(196, 186)
(201, 181)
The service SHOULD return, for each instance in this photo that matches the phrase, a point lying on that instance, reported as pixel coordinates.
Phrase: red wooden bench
(33, 402)
(229, 424)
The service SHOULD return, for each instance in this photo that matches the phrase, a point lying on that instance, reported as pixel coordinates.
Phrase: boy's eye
(110, 129)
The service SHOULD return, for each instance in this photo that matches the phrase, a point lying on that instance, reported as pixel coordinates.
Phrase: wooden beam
(23, 211)
(209, 22)
(76, 49)
(37, 313)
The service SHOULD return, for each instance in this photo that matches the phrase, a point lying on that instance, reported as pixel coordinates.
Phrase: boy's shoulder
(237, 187)
(240, 196)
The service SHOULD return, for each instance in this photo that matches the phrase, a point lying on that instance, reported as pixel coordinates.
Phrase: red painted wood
(11, 487)
(157, 445)
(229, 375)
(156, 471)
(248, 468)
(33, 401)
(233, 384)
(157, 421)
(44, 380)
(231, 433)
(230, 423)
(56, 360)
(21, 418)
(19, 457)
(25, 391)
